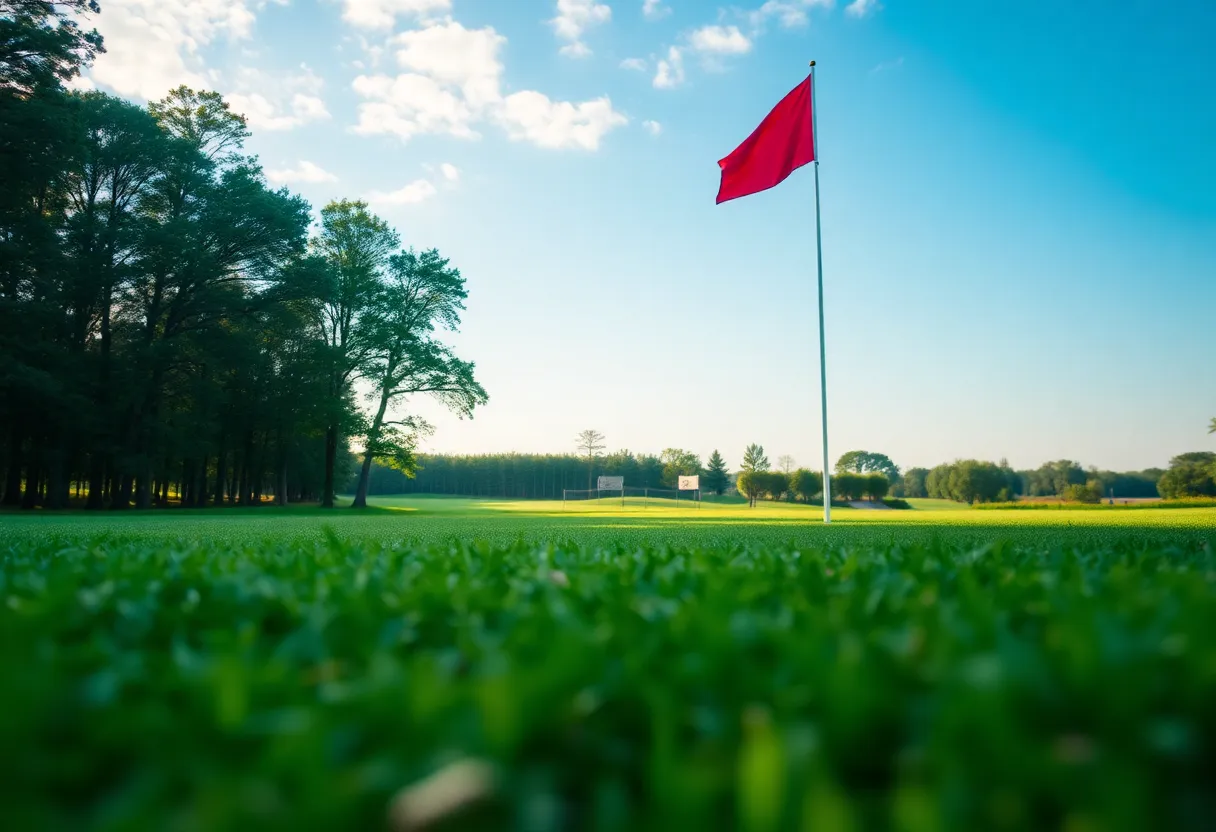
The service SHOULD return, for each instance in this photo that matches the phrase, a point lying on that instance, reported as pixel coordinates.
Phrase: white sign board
(610, 484)
(692, 483)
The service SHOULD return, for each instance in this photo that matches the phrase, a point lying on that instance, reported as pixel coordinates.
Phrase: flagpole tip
(812, 63)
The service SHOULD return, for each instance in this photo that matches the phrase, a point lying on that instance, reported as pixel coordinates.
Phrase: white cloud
(456, 56)
(420, 190)
(670, 70)
(652, 127)
(578, 49)
(153, 45)
(654, 9)
(862, 8)
(277, 102)
(531, 116)
(305, 171)
(450, 172)
(308, 107)
(790, 14)
(410, 105)
(381, 14)
(574, 17)
(453, 83)
(720, 40)
(636, 64)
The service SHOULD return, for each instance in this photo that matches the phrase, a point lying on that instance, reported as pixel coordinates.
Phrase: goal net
(630, 497)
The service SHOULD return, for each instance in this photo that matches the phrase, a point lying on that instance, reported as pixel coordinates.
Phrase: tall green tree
(754, 459)
(421, 296)
(216, 232)
(677, 463)
(1189, 475)
(590, 445)
(750, 485)
(717, 476)
(913, 482)
(123, 153)
(356, 245)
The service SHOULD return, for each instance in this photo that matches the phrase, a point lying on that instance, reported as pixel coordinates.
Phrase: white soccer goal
(629, 496)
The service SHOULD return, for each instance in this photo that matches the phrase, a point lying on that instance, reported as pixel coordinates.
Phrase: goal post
(611, 484)
(690, 483)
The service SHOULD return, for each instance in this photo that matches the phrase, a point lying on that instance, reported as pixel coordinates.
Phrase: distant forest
(514, 476)
(544, 476)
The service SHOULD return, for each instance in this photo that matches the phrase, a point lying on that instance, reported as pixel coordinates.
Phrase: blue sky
(1019, 208)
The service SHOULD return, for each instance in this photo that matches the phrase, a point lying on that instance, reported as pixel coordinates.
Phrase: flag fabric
(784, 142)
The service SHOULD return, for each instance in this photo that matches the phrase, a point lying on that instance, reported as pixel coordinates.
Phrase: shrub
(848, 486)
(774, 484)
(806, 484)
(893, 502)
(877, 486)
(1081, 494)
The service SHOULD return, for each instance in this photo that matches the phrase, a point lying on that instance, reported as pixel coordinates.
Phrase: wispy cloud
(669, 73)
(305, 171)
(887, 66)
(652, 127)
(654, 9)
(451, 83)
(381, 14)
(574, 17)
(862, 8)
(420, 190)
(720, 40)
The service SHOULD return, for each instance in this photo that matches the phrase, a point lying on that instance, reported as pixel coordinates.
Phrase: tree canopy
(717, 476)
(754, 459)
(865, 462)
(167, 326)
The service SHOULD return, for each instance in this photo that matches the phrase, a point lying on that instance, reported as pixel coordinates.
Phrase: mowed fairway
(599, 667)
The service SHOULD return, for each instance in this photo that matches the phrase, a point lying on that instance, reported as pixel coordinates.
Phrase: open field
(712, 668)
(425, 520)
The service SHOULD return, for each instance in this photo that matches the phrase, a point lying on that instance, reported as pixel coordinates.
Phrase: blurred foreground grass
(211, 672)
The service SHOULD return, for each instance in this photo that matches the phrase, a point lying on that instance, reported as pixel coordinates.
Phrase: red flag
(784, 142)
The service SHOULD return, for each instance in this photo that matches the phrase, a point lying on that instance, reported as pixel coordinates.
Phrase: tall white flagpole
(823, 356)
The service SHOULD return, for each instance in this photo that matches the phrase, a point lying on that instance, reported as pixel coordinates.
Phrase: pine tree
(717, 477)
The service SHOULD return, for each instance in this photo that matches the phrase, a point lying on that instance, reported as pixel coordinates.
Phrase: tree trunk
(143, 486)
(97, 482)
(373, 437)
(331, 458)
(55, 481)
(242, 479)
(12, 479)
(221, 465)
(33, 482)
(122, 495)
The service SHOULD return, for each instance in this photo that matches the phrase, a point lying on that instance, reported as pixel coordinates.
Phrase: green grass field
(608, 668)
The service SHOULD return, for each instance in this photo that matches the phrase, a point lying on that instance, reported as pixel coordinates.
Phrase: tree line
(858, 475)
(544, 476)
(169, 324)
(971, 480)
